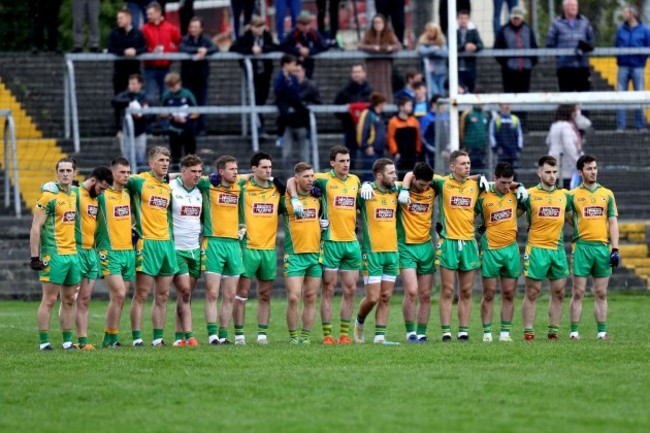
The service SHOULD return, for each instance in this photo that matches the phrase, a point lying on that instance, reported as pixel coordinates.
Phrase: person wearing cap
(516, 71)
(304, 42)
(631, 34)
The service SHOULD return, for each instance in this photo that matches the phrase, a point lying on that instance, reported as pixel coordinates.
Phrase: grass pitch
(543, 386)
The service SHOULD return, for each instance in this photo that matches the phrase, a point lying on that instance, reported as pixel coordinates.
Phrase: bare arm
(613, 231)
(406, 182)
(291, 187)
(35, 234)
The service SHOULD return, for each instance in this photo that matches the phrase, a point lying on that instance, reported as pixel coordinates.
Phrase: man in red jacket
(161, 37)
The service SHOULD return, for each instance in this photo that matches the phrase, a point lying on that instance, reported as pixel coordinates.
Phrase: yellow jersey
(151, 199)
(114, 221)
(301, 234)
(545, 212)
(499, 214)
(58, 231)
(591, 212)
(457, 201)
(414, 219)
(379, 216)
(258, 209)
(339, 203)
(87, 222)
(220, 215)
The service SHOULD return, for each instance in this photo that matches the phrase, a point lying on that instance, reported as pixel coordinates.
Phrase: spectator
(161, 37)
(134, 97)
(572, 30)
(631, 34)
(412, 76)
(82, 11)
(45, 14)
(564, 141)
(304, 42)
(473, 130)
(195, 72)
(330, 37)
(280, 14)
(380, 39)
(138, 11)
(182, 135)
(432, 44)
(356, 91)
(393, 10)
(125, 41)
(404, 141)
(185, 15)
(469, 41)
(421, 104)
(516, 71)
(506, 137)
(258, 40)
(498, 6)
(431, 135)
(371, 135)
(309, 92)
(461, 5)
(239, 6)
(296, 134)
(293, 115)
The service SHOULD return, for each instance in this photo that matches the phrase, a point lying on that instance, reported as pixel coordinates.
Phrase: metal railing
(10, 147)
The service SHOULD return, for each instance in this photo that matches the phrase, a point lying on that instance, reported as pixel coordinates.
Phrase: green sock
(43, 337)
(601, 326)
(157, 333)
(212, 329)
(410, 327)
(189, 335)
(83, 341)
(463, 328)
(327, 329)
(293, 333)
(305, 333)
(529, 331)
(574, 326)
(345, 327)
(553, 329)
(505, 326)
(239, 330)
(380, 330)
(137, 335)
(110, 336)
(67, 336)
(446, 329)
(262, 329)
(178, 336)
(487, 328)
(223, 333)
(421, 329)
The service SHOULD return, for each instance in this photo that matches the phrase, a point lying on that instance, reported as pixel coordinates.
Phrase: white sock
(446, 334)
(261, 337)
(602, 334)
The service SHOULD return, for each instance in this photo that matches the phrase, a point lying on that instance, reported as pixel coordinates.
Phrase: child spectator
(182, 127)
(371, 134)
(404, 141)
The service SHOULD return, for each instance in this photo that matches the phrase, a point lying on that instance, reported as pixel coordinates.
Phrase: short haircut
(287, 58)
(125, 11)
(434, 99)
(155, 5)
(463, 12)
(584, 159)
(547, 159)
(423, 171)
(120, 160)
(172, 79)
(380, 165)
(403, 100)
(64, 160)
(336, 150)
(376, 99)
(418, 85)
(302, 166)
(196, 19)
(102, 174)
(158, 150)
(411, 73)
(136, 77)
(223, 160)
(455, 154)
(565, 112)
(504, 169)
(358, 65)
(259, 156)
(190, 161)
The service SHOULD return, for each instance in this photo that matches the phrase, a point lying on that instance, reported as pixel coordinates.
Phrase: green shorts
(261, 264)
(62, 270)
(590, 259)
(88, 263)
(302, 265)
(457, 255)
(380, 264)
(189, 262)
(540, 263)
(221, 256)
(420, 257)
(501, 262)
(340, 255)
(156, 258)
(121, 262)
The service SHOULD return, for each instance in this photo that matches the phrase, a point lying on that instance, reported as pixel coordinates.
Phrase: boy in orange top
(404, 141)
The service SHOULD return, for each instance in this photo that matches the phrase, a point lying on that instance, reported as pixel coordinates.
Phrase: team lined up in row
(238, 216)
